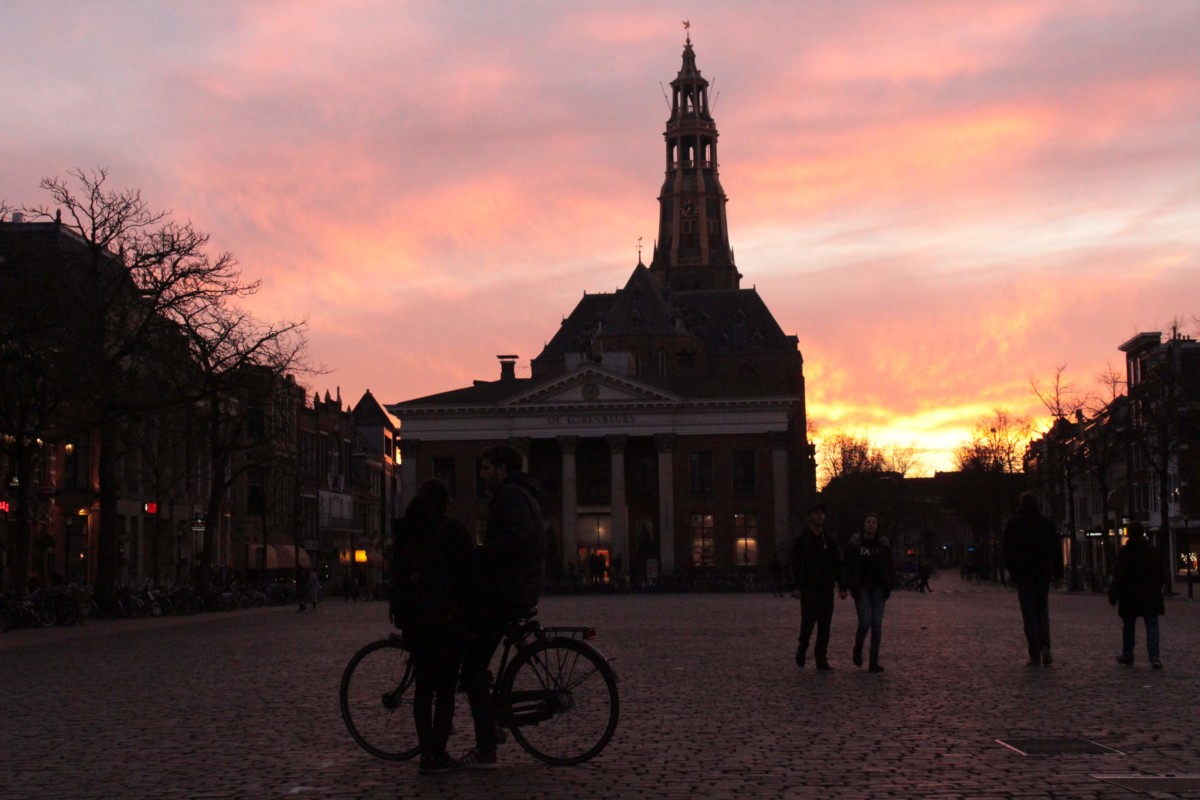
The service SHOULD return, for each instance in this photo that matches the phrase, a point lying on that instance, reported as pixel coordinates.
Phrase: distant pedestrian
(1137, 591)
(868, 569)
(308, 589)
(1033, 558)
(314, 587)
(816, 561)
(349, 586)
(924, 570)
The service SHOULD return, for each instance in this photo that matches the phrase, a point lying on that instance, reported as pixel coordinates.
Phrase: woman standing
(432, 568)
(869, 575)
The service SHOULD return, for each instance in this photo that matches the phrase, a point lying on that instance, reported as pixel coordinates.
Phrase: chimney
(18, 217)
(508, 368)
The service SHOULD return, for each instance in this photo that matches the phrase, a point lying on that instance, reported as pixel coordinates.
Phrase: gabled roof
(483, 393)
(370, 413)
(640, 308)
(731, 320)
(724, 320)
(604, 387)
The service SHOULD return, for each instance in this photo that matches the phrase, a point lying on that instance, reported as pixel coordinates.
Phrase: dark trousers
(816, 610)
(1129, 636)
(483, 637)
(1034, 597)
(435, 657)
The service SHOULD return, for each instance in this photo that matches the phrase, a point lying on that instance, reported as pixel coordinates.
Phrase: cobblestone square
(244, 705)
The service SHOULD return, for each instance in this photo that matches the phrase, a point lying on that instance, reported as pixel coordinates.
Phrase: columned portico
(780, 483)
(570, 502)
(665, 443)
(620, 511)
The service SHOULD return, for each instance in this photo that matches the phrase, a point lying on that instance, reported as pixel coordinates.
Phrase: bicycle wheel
(559, 699)
(376, 698)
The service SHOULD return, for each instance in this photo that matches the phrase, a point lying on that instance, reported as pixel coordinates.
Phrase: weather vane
(639, 249)
(687, 28)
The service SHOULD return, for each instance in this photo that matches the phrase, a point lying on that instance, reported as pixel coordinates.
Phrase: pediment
(591, 385)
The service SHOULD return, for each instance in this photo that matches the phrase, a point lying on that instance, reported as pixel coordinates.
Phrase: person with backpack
(511, 574)
(431, 575)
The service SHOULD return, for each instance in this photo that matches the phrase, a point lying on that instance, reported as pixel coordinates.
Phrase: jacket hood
(525, 481)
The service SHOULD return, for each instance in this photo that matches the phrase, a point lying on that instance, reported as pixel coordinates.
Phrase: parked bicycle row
(72, 604)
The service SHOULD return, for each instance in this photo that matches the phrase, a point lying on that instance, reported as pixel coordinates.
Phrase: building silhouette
(665, 421)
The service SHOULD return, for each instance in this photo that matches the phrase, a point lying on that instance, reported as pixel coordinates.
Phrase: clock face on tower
(689, 209)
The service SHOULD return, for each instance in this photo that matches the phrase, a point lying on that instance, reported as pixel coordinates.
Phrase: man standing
(511, 574)
(1033, 559)
(816, 561)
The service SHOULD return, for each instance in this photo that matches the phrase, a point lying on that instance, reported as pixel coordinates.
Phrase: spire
(693, 241)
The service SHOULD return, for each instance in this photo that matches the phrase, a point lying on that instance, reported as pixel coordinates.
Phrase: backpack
(422, 593)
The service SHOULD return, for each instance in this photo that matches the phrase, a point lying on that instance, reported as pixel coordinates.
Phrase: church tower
(692, 250)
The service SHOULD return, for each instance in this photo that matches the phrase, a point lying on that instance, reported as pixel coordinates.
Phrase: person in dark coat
(511, 576)
(816, 562)
(1137, 591)
(868, 570)
(428, 540)
(1034, 559)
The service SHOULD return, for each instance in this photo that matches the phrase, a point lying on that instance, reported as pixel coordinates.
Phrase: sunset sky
(942, 200)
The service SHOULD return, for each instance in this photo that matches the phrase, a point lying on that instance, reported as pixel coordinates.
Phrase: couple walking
(863, 569)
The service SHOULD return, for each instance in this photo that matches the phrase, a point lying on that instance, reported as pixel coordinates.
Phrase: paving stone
(244, 705)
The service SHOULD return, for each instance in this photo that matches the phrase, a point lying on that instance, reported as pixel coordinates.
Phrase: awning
(279, 556)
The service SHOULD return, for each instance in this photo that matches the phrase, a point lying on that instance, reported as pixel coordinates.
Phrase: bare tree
(1061, 447)
(243, 367)
(997, 444)
(136, 281)
(989, 465)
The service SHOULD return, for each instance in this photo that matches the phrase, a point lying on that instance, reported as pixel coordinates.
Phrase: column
(620, 511)
(665, 443)
(779, 491)
(408, 472)
(570, 504)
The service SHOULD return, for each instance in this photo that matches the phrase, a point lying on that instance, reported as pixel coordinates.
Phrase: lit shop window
(702, 540)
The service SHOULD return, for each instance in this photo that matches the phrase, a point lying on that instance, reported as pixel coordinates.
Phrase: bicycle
(555, 693)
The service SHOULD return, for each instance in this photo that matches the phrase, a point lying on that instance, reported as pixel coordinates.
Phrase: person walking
(308, 589)
(511, 564)
(432, 568)
(924, 571)
(869, 574)
(816, 562)
(1033, 559)
(1137, 591)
